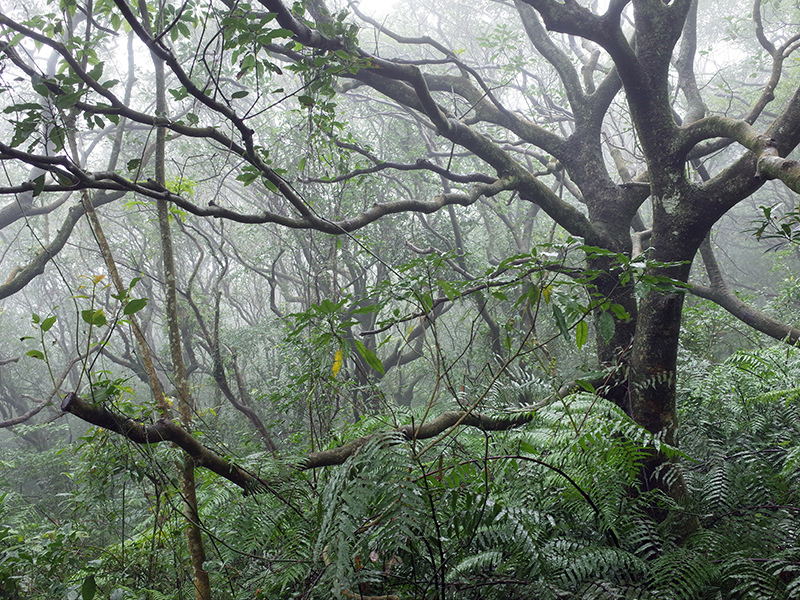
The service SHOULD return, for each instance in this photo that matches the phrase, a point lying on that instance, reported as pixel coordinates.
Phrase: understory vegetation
(553, 509)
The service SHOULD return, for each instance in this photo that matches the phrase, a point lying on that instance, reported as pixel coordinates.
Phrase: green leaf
(97, 72)
(38, 185)
(280, 33)
(620, 312)
(363, 310)
(20, 107)
(239, 94)
(306, 100)
(94, 317)
(326, 307)
(58, 136)
(247, 177)
(560, 321)
(179, 93)
(89, 588)
(35, 354)
(581, 333)
(448, 289)
(134, 306)
(606, 326)
(369, 356)
(426, 300)
(68, 100)
(48, 323)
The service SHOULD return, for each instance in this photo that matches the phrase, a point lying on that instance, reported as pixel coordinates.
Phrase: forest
(399, 299)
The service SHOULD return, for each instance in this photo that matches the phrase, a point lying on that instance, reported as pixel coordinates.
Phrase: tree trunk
(188, 491)
(654, 357)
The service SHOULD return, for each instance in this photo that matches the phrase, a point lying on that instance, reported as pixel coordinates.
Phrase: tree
(580, 96)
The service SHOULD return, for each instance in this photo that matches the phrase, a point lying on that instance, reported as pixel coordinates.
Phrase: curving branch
(741, 178)
(445, 421)
(719, 293)
(19, 209)
(554, 55)
(769, 163)
(687, 81)
(165, 430)
(48, 401)
(23, 276)
(35, 410)
(420, 165)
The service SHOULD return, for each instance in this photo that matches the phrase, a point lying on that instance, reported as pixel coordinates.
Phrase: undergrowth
(552, 510)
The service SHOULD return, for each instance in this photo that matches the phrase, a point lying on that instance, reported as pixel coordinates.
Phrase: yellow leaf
(337, 362)
(547, 291)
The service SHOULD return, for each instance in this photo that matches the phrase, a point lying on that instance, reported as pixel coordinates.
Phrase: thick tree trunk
(654, 360)
(655, 353)
(615, 353)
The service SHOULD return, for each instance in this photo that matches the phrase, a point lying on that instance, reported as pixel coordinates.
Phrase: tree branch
(163, 430)
(445, 421)
(719, 293)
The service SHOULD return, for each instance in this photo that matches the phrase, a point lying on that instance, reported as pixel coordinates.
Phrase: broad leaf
(581, 333)
(606, 326)
(135, 306)
(560, 321)
(89, 588)
(369, 356)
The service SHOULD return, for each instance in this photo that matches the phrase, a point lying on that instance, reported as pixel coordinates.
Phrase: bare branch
(719, 293)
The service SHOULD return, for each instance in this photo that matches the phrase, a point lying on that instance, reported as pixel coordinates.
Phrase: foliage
(543, 511)
(781, 227)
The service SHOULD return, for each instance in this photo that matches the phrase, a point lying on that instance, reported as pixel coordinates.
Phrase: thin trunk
(185, 402)
(105, 249)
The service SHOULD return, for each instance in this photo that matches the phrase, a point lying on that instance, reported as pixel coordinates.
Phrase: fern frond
(684, 575)
(749, 580)
(486, 561)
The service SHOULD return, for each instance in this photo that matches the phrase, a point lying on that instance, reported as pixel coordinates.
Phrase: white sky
(376, 8)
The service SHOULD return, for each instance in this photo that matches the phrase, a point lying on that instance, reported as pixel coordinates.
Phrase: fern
(750, 580)
(369, 508)
(684, 575)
